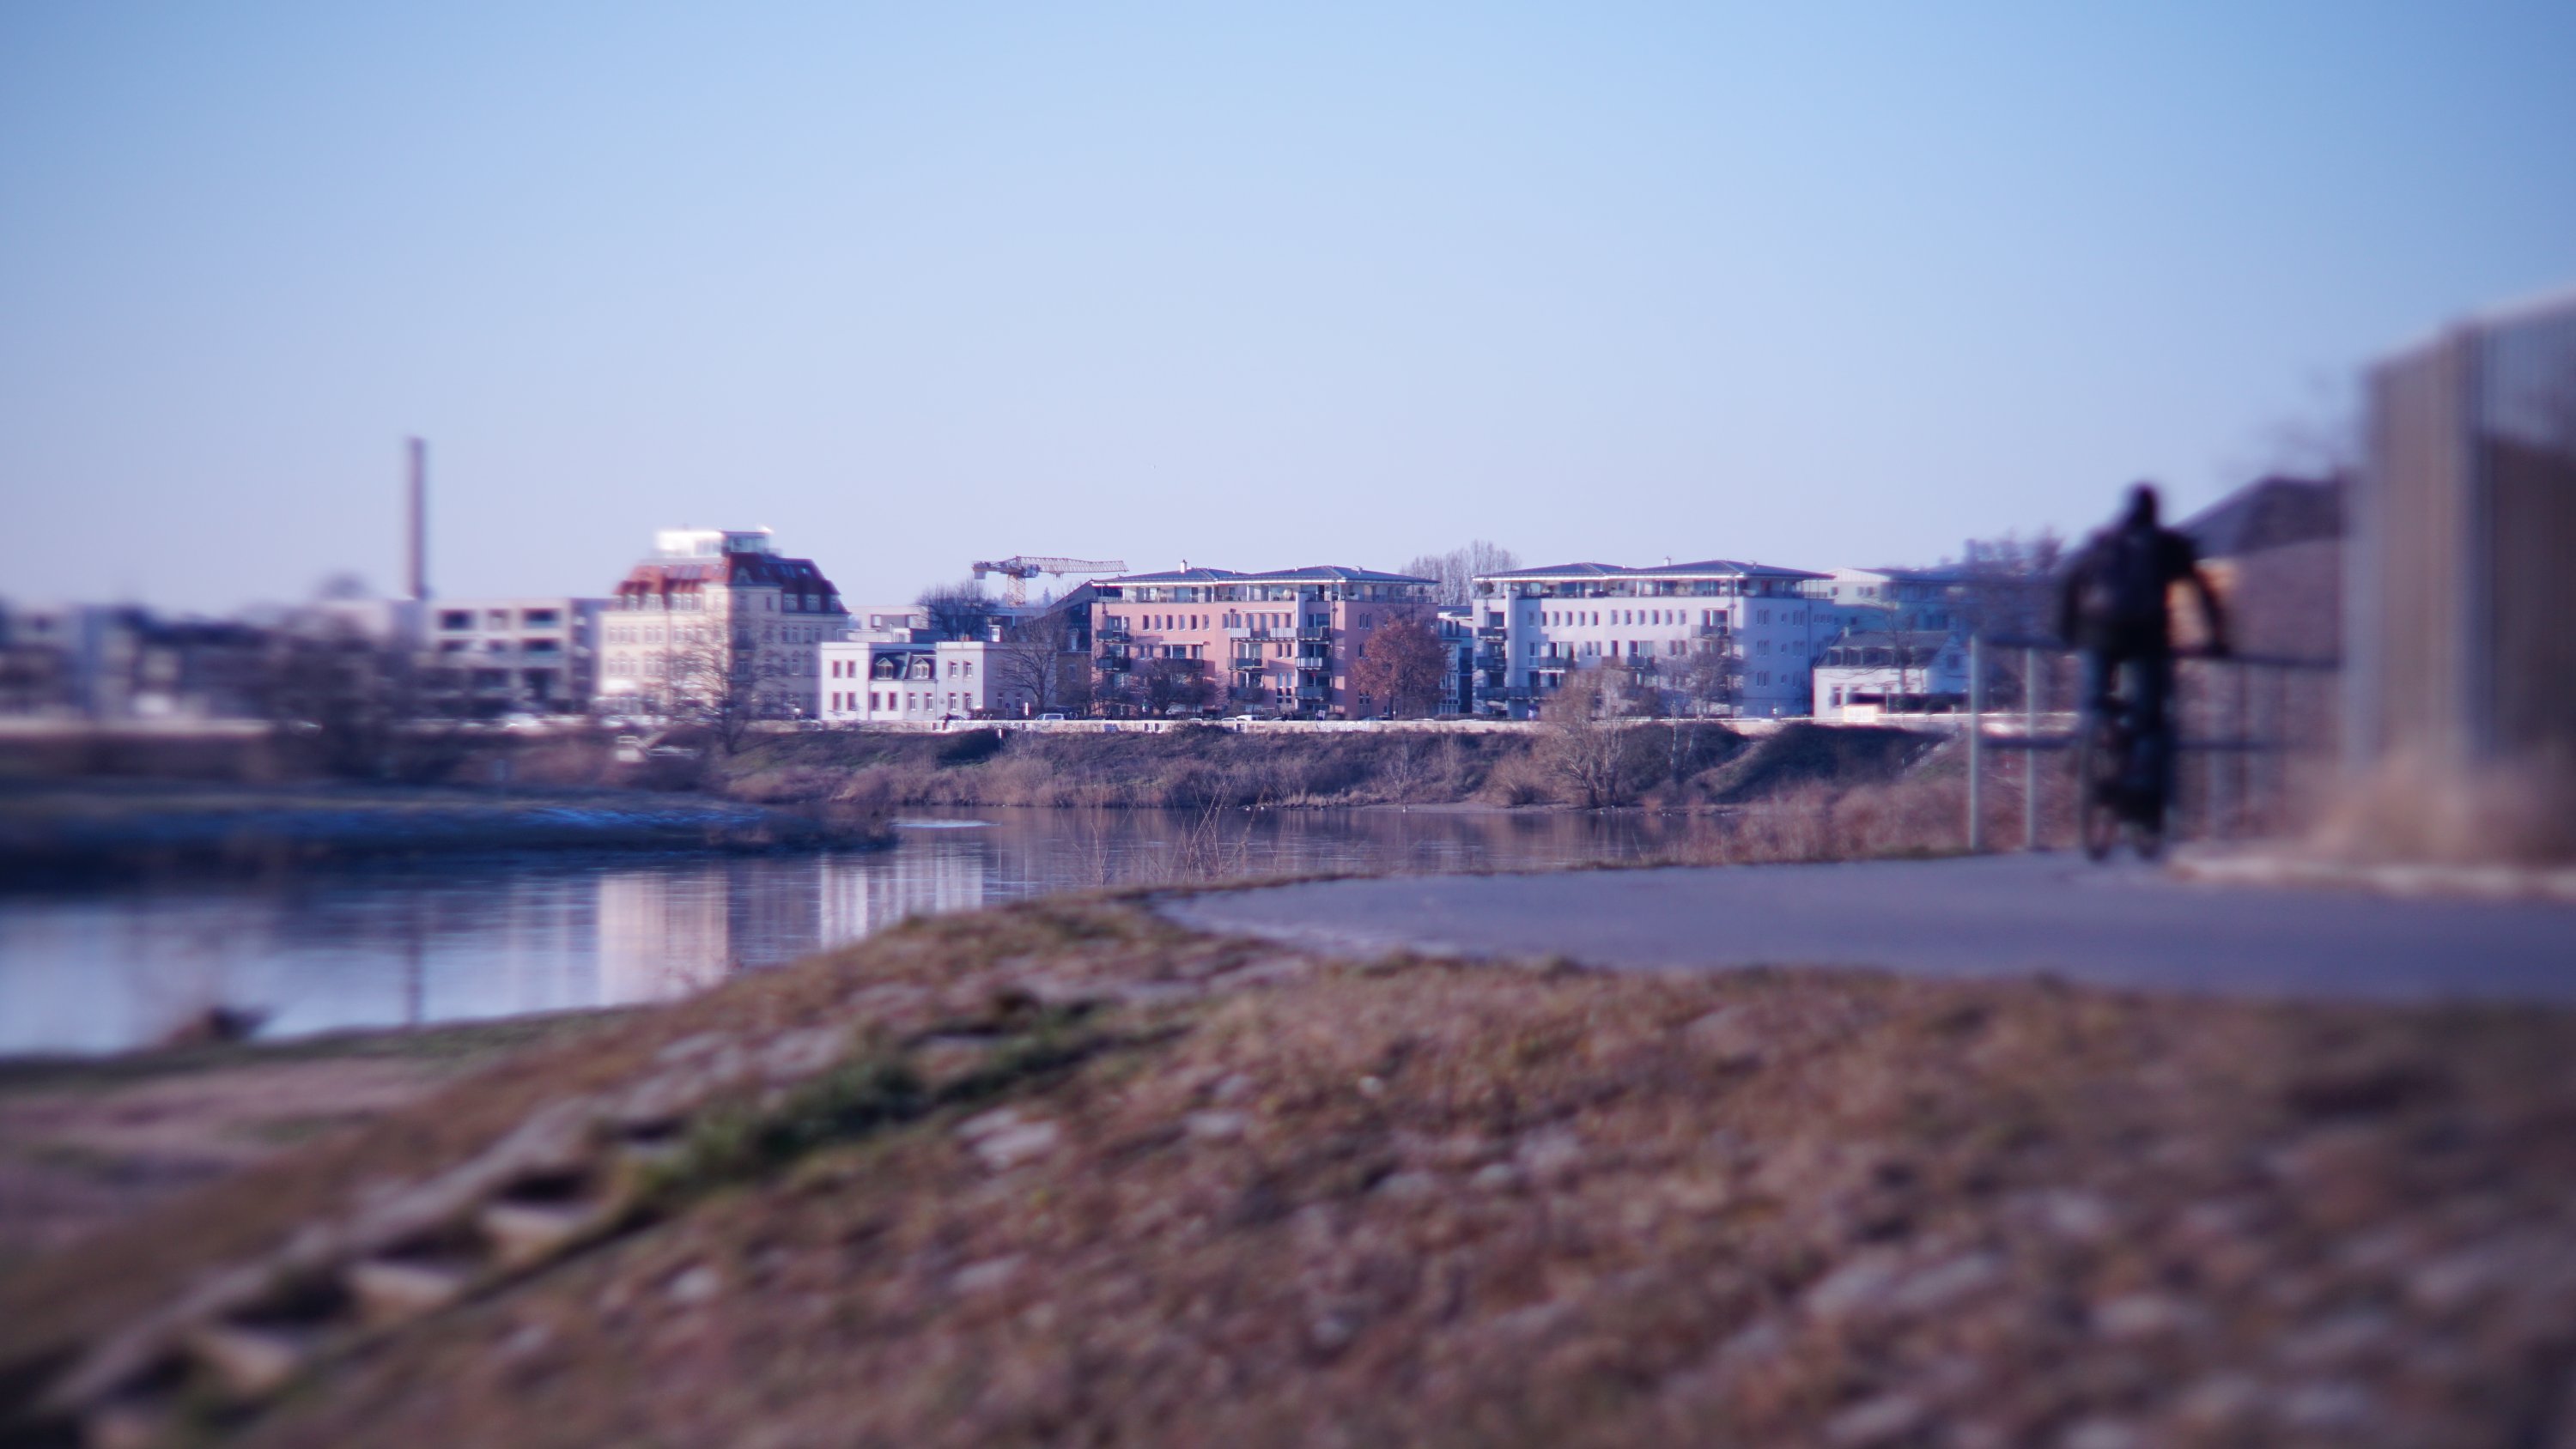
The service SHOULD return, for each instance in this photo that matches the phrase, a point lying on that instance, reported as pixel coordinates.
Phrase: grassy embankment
(1074, 1175)
(1674, 766)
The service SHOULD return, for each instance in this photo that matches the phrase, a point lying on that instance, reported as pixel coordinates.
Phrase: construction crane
(1018, 570)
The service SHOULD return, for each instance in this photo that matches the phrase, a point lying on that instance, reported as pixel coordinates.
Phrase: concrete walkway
(2122, 926)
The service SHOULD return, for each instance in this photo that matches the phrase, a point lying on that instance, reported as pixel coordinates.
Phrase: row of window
(455, 620)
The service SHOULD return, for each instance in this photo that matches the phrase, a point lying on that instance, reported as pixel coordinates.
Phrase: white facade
(1859, 674)
(886, 623)
(717, 602)
(1895, 598)
(1534, 626)
(867, 681)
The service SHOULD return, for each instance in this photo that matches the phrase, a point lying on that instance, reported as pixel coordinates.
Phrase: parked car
(1059, 719)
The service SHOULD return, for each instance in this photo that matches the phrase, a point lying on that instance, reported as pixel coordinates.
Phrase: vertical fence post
(2029, 748)
(1976, 743)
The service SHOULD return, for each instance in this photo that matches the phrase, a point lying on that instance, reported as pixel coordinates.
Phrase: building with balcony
(485, 657)
(717, 613)
(1718, 637)
(1277, 644)
(1867, 673)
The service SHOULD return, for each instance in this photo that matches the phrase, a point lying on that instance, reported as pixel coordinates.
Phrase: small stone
(2078, 1217)
(1550, 1152)
(1010, 1146)
(1232, 1088)
(1372, 1087)
(984, 1124)
(2137, 1316)
(696, 1285)
(1875, 1421)
(1946, 1283)
(529, 1341)
(1331, 1332)
(1213, 1126)
(1408, 1186)
(981, 1277)
(1855, 1287)
(1495, 1177)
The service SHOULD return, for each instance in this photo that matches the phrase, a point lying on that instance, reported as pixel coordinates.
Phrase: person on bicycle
(2113, 607)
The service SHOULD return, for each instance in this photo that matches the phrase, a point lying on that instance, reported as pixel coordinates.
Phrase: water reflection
(101, 971)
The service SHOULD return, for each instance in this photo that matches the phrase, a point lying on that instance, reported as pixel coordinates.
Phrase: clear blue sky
(1254, 286)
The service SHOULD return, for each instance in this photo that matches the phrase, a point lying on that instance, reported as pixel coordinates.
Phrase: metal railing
(2240, 737)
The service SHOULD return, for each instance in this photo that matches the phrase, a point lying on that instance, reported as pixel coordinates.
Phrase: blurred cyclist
(2113, 608)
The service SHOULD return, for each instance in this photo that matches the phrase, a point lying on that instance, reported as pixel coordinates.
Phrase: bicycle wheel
(2099, 755)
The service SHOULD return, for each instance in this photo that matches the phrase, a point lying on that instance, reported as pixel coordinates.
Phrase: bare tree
(1165, 686)
(726, 684)
(1404, 668)
(351, 703)
(1590, 741)
(1456, 570)
(1707, 679)
(1038, 663)
(958, 610)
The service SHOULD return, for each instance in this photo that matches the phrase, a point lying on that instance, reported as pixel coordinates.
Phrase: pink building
(1278, 643)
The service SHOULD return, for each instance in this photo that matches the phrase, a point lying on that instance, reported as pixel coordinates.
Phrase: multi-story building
(870, 680)
(1277, 643)
(486, 657)
(1870, 672)
(1718, 636)
(121, 661)
(1896, 598)
(886, 623)
(1458, 636)
(717, 614)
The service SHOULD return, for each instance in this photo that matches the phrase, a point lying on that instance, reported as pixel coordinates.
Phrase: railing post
(1976, 743)
(2029, 748)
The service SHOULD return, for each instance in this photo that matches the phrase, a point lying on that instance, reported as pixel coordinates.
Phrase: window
(456, 619)
(536, 618)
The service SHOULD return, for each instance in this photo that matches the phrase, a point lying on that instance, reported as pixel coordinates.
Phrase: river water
(389, 945)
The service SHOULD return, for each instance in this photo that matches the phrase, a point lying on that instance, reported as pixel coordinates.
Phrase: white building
(1673, 626)
(886, 623)
(1897, 598)
(485, 657)
(717, 609)
(1865, 673)
(867, 681)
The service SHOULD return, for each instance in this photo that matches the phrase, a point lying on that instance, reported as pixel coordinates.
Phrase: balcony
(1314, 633)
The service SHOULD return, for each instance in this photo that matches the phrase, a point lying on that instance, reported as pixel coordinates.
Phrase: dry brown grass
(1289, 1201)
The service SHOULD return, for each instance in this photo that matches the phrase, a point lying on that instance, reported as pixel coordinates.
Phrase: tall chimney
(417, 542)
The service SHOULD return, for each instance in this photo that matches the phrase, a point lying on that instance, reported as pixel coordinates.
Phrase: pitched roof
(1705, 568)
(2268, 513)
(1310, 574)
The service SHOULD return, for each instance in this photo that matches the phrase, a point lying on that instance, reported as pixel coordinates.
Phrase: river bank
(1671, 765)
(1066, 1172)
(54, 831)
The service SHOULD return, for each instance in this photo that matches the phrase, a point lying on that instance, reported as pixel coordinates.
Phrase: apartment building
(1864, 674)
(875, 681)
(717, 612)
(487, 657)
(1719, 635)
(1276, 644)
(1886, 599)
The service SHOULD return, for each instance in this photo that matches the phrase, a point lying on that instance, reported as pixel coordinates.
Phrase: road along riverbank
(1071, 1171)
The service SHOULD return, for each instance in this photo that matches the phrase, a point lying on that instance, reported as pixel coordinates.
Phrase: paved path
(2126, 926)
